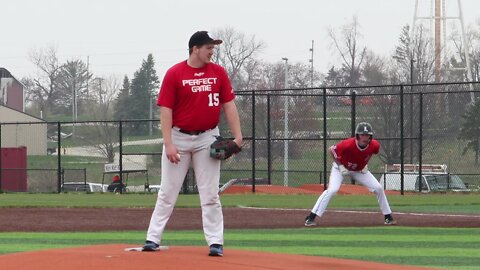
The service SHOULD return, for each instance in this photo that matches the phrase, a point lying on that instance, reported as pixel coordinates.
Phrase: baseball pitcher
(192, 94)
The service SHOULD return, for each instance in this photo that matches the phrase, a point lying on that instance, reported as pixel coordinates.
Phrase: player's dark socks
(312, 216)
(389, 216)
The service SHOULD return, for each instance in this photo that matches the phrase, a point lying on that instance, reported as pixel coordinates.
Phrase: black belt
(194, 132)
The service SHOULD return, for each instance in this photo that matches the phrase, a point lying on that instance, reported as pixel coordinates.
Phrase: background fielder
(350, 159)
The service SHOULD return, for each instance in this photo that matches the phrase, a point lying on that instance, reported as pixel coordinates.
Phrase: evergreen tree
(121, 108)
(470, 130)
(143, 90)
(334, 78)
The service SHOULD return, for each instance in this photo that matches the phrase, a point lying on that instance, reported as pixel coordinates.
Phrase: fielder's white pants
(195, 149)
(367, 179)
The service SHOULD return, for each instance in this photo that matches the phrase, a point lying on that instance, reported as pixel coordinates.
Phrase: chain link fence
(287, 133)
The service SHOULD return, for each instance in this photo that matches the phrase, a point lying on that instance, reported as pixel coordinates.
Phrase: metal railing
(414, 123)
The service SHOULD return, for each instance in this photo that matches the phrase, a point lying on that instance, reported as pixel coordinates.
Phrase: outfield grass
(434, 247)
(448, 203)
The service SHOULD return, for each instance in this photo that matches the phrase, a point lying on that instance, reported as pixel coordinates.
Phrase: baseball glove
(223, 148)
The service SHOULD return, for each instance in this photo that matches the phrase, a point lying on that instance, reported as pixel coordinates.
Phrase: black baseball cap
(200, 38)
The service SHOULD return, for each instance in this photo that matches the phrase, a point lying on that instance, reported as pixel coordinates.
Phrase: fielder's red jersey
(351, 156)
(195, 95)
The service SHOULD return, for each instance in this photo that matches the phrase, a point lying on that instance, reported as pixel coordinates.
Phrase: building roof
(40, 119)
(4, 73)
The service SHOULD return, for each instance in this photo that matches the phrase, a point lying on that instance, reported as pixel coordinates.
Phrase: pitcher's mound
(103, 257)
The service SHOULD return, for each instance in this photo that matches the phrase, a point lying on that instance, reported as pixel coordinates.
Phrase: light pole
(74, 107)
(311, 66)
(285, 131)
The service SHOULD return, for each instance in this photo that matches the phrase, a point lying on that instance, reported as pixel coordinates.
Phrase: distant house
(12, 109)
(12, 91)
(33, 136)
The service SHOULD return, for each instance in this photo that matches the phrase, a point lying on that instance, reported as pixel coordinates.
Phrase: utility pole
(285, 131)
(438, 40)
(88, 78)
(311, 66)
(74, 102)
(74, 108)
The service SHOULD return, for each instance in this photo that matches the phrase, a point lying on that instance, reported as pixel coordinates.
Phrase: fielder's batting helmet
(364, 128)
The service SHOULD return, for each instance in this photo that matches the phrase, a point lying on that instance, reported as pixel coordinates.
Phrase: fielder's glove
(223, 148)
(344, 171)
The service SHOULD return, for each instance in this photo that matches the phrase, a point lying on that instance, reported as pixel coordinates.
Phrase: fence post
(63, 176)
(120, 152)
(411, 124)
(325, 155)
(353, 112)
(402, 137)
(59, 157)
(384, 181)
(253, 142)
(352, 120)
(269, 142)
(420, 143)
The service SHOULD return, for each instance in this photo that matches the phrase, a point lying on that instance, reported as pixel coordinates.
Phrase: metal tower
(438, 26)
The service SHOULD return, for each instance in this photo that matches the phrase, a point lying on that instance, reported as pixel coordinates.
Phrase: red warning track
(103, 257)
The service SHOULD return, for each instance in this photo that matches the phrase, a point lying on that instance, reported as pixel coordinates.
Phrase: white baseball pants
(367, 179)
(195, 149)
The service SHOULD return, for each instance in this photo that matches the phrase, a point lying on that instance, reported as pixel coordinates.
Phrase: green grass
(447, 248)
(449, 203)
(141, 148)
(434, 247)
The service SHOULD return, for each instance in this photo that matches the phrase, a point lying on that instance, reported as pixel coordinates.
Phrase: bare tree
(73, 86)
(104, 91)
(235, 51)
(458, 58)
(375, 69)
(271, 76)
(104, 135)
(32, 106)
(300, 76)
(399, 71)
(252, 74)
(420, 50)
(45, 84)
(351, 52)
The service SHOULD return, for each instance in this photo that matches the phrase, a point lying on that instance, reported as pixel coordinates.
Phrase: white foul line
(361, 212)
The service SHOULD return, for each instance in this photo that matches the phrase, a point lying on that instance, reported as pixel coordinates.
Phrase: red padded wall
(13, 169)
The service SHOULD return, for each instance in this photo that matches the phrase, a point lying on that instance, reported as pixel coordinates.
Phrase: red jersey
(195, 95)
(351, 156)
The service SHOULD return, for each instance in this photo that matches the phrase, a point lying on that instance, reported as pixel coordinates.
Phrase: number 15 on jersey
(213, 99)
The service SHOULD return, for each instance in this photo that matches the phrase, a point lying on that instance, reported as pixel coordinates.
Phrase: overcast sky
(116, 35)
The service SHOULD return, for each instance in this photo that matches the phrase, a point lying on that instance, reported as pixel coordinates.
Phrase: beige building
(33, 136)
